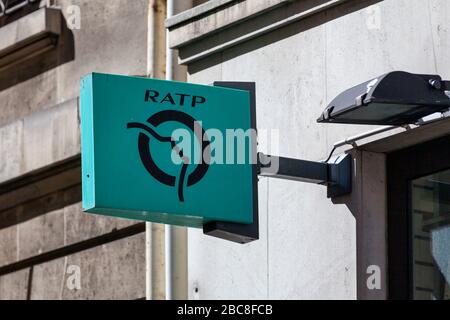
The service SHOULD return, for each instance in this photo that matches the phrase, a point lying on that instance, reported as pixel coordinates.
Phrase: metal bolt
(435, 84)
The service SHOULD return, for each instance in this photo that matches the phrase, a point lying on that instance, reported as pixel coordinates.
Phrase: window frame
(403, 166)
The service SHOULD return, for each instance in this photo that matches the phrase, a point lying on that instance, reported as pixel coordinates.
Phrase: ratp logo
(149, 132)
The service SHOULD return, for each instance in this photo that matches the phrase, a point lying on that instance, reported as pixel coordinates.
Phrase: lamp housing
(396, 98)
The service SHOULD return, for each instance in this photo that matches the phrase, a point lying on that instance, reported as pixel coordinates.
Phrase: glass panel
(431, 237)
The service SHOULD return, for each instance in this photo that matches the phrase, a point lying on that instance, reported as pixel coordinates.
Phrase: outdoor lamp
(396, 98)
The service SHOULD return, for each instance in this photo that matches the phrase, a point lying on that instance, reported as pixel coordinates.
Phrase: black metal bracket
(237, 232)
(336, 175)
(440, 84)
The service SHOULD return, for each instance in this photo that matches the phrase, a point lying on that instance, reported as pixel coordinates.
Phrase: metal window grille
(10, 6)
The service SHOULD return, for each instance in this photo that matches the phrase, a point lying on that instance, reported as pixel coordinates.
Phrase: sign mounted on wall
(170, 152)
(183, 154)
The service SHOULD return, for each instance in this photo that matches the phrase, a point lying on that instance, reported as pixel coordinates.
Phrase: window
(430, 234)
(419, 221)
(44, 41)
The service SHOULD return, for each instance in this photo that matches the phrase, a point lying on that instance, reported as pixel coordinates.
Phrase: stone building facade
(50, 249)
(301, 55)
(388, 239)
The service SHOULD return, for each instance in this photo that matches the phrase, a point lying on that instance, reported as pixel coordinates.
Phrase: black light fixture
(396, 98)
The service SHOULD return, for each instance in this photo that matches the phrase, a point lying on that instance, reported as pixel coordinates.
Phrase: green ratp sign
(166, 152)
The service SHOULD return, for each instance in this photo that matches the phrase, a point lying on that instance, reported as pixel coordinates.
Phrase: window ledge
(29, 36)
(214, 15)
(196, 12)
(219, 24)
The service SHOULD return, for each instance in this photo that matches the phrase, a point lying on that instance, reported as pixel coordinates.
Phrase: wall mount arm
(445, 85)
(336, 175)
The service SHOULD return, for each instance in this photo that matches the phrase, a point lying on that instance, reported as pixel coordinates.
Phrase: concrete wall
(42, 228)
(307, 248)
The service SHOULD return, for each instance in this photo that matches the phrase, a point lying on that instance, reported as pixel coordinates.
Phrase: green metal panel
(127, 153)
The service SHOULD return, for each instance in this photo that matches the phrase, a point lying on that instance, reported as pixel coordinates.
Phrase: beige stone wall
(301, 54)
(43, 231)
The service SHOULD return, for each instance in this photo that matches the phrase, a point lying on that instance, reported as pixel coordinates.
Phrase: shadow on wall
(61, 50)
(40, 192)
(263, 21)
